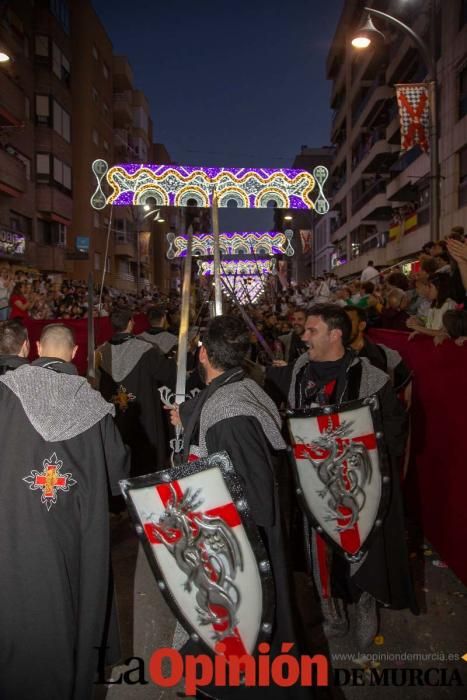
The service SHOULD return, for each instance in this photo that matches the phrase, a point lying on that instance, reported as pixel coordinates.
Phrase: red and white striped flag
(414, 112)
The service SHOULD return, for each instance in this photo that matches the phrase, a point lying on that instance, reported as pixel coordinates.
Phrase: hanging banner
(305, 238)
(413, 100)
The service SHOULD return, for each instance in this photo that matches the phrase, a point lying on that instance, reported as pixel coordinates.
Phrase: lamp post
(362, 40)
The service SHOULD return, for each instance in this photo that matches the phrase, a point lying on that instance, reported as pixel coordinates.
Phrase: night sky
(232, 82)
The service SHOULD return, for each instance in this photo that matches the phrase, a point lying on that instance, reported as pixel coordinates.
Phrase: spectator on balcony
(370, 273)
(439, 290)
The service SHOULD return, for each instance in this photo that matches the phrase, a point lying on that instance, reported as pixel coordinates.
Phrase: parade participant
(380, 356)
(14, 345)
(60, 453)
(158, 334)
(292, 342)
(330, 373)
(234, 414)
(130, 372)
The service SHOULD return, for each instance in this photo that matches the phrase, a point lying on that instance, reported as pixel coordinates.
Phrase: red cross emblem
(49, 480)
(234, 645)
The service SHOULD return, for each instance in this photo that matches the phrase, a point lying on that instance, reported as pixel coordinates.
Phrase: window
(41, 45)
(62, 174)
(61, 122)
(105, 71)
(463, 93)
(60, 64)
(43, 109)
(59, 8)
(26, 162)
(42, 167)
(51, 233)
(107, 264)
(97, 261)
(95, 137)
(463, 177)
(21, 224)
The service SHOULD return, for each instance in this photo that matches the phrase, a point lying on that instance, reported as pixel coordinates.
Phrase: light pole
(362, 40)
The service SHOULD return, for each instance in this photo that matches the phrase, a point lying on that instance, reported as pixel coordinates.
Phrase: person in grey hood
(61, 453)
(14, 345)
(157, 334)
(131, 371)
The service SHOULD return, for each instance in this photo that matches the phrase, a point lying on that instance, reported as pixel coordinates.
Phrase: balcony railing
(359, 200)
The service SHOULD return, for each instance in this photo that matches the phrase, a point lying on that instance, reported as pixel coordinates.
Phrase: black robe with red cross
(131, 371)
(60, 455)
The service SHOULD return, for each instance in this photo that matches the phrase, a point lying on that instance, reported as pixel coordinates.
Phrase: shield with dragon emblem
(342, 471)
(205, 551)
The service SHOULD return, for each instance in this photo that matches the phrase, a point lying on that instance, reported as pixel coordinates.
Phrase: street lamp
(362, 40)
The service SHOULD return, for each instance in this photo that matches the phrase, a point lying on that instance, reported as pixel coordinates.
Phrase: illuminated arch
(152, 191)
(235, 193)
(272, 194)
(188, 192)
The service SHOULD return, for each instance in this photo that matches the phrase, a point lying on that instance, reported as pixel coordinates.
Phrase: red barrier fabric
(436, 485)
(102, 332)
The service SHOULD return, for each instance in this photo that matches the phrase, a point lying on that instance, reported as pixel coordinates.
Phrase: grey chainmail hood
(243, 398)
(119, 360)
(59, 406)
(373, 379)
(165, 341)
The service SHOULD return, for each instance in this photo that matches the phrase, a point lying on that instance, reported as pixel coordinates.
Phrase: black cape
(54, 553)
(256, 463)
(385, 573)
(140, 416)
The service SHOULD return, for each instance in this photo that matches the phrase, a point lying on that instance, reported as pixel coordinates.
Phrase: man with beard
(379, 355)
(330, 373)
(234, 414)
(292, 342)
(61, 452)
(130, 372)
(14, 345)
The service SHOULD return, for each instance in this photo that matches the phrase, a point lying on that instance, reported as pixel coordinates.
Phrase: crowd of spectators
(429, 301)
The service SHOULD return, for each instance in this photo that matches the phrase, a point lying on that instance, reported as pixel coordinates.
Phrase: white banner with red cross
(413, 100)
(340, 472)
(204, 561)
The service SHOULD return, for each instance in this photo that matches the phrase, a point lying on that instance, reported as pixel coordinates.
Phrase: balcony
(406, 172)
(380, 157)
(122, 74)
(124, 249)
(51, 200)
(370, 105)
(12, 102)
(47, 258)
(13, 179)
(123, 110)
(372, 203)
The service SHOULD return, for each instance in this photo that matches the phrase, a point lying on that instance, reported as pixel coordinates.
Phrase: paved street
(146, 623)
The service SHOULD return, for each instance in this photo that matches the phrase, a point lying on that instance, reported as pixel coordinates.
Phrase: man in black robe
(60, 454)
(234, 414)
(14, 345)
(130, 372)
(330, 373)
(157, 334)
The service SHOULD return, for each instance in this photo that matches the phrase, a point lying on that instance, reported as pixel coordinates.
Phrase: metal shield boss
(205, 551)
(342, 471)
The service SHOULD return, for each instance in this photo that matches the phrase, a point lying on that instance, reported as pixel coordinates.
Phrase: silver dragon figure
(345, 469)
(207, 551)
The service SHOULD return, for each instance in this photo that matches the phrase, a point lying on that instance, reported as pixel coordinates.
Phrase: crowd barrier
(436, 482)
(436, 485)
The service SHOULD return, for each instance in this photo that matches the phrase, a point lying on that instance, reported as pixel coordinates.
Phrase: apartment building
(36, 205)
(380, 194)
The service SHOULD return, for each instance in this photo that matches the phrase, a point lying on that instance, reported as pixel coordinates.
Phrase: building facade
(382, 195)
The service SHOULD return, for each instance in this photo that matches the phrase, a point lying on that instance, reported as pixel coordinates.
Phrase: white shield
(205, 551)
(341, 471)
